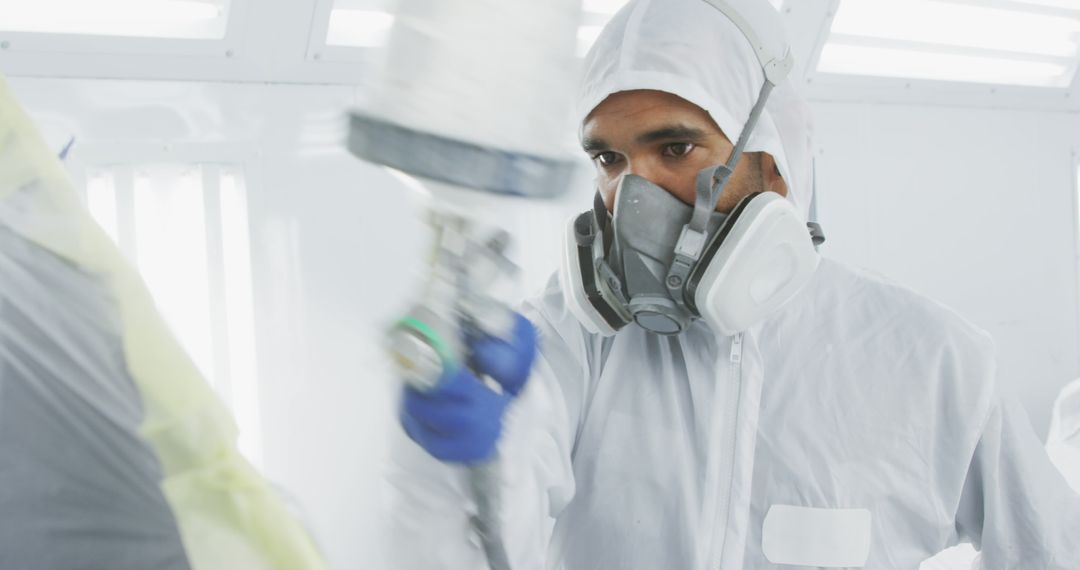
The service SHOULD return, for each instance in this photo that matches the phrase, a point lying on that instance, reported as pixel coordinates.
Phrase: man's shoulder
(546, 308)
(869, 301)
(547, 304)
(895, 336)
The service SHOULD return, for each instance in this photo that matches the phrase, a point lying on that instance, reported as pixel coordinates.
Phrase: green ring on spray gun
(433, 338)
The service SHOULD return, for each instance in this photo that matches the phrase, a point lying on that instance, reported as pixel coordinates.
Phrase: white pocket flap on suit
(805, 536)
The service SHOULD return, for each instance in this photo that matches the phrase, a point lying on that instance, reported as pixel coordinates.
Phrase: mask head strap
(710, 186)
(607, 277)
(600, 211)
(712, 180)
(816, 233)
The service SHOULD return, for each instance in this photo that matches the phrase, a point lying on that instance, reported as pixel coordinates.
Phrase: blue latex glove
(459, 421)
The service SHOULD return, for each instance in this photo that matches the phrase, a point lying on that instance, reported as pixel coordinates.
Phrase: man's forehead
(643, 101)
(646, 116)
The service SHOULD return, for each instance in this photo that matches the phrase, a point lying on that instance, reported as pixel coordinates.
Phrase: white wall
(975, 208)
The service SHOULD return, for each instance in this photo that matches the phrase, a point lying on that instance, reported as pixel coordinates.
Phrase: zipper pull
(736, 348)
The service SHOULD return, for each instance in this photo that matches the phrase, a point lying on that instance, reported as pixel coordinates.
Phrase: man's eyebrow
(665, 133)
(593, 144)
(672, 132)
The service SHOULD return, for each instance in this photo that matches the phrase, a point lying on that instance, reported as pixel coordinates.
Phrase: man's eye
(678, 149)
(606, 158)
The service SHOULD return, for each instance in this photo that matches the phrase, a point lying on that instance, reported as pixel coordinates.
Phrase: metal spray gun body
(431, 340)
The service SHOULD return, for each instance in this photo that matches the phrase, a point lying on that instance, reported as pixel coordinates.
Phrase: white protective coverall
(1063, 443)
(860, 421)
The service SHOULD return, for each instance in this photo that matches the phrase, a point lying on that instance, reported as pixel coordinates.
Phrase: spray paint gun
(457, 301)
(471, 134)
(431, 341)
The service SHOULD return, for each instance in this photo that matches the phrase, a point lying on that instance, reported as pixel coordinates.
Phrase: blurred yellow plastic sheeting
(229, 516)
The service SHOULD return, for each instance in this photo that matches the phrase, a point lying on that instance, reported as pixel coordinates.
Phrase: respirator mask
(663, 264)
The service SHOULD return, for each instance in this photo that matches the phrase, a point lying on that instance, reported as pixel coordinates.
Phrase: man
(856, 425)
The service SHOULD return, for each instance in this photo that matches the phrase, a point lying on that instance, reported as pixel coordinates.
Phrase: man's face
(668, 140)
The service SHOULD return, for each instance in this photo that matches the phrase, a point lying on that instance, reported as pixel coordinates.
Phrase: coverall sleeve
(429, 502)
(1016, 507)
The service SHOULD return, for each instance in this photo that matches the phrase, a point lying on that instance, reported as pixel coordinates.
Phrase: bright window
(586, 37)
(1017, 43)
(595, 14)
(359, 23)
(1063, 4)
(188, 19)
(186, 229)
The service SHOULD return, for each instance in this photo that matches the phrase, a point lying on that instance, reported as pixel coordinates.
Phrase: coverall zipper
(726, 459)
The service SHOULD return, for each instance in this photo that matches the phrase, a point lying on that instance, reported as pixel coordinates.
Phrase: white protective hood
(690, 49)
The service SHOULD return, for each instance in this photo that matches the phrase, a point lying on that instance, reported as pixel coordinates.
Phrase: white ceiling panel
(188, 19)
(992, 42)
(924, 51)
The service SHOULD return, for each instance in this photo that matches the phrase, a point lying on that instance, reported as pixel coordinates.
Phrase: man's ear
(770, 175)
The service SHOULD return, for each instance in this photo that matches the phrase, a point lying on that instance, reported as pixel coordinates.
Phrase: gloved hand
(460, 420)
